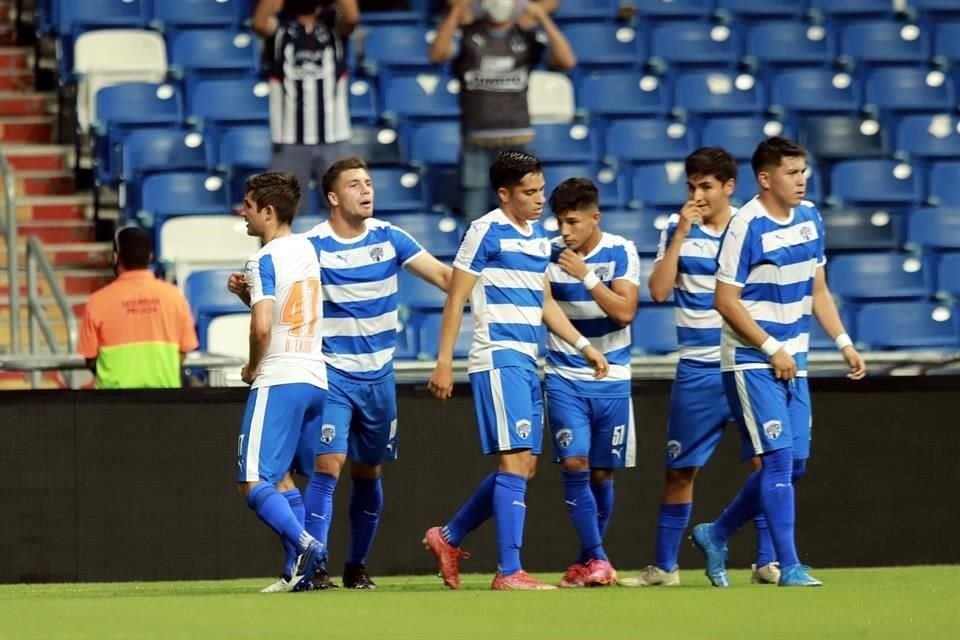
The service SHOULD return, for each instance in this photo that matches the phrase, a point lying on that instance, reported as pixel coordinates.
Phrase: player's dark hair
(509, 168)
(711, 161)
(279, 190)
(330, 176)
(132, 245)
(771, 152)
(574, 194)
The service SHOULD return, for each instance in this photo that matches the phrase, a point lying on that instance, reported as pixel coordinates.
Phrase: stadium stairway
(47, 202)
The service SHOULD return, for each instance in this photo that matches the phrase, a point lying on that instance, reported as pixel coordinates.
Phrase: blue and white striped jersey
(360, 296)
(775, 263)
(614, 258)
(507, 301)
(698, 323)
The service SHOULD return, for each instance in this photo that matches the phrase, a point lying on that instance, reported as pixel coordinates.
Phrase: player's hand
(536, 11)
(691, 214)
(858, 368)
(784, 366)
(596, 360)
(441, 381)
(237, 285)
(247, 375)
(573, 263)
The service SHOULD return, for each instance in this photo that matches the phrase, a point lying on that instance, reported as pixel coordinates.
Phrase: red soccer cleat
(519, 581)
(576, 576)
(447, 556)
(600, 573)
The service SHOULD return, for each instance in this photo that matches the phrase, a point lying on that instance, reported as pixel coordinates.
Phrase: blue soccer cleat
(796, 576)
(715, 554)
(311, 561)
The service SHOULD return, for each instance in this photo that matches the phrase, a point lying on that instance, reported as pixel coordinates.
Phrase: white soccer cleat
(767, 574)
(653, 576)
(280, 586)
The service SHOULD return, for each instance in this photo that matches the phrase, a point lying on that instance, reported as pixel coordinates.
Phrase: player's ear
(333, 199)
(729, 187)
(503, 194)
(763, 180)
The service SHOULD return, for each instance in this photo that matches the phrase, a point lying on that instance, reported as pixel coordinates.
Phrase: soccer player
(501, 267)
(685, 266)
(285, 368)
(596, 281)
(769, 281)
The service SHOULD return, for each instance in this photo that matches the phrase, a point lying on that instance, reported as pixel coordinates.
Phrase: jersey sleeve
(261, 278)
(406, 246)
(666, 235)
(475, 250)
(628, 265)
(736, 252)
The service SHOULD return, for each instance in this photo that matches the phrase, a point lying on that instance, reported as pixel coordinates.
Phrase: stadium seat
(206, 291)
(213, 53)
(304, 223)
(243, 151)
(662, 185)
(945, 183)
(189, 243)
(607, 181)
(875, 182)
(947, 43)
(563, 142)
(429, 325)
(398, 48)
(167, 195)
(649, 140)
(740, 135)
(171, 15)
(760, 9)
(719, 93)
(608, 95)
(852, 8)
(397, 189)
(646, 269)
(363, 102)
(74, 17)
(378, 146)
(218, 104)
(439, 234)
(697, 44)
(838, 137)
(904, 89)
(672, 9)
(148, 151)
(415, 14)
(931, 137)
(598, 45)
(228, 335)
(641, 227)
(884, 42)
(793, 43)
(425, 96)
(654, 330)
(906, 325)
(746, 188)
(580, 10)
(418, 295)
(948, 277)
(878, 276)
(435, 144)
(853, 229)
(937, 8)
(814, 91)
(550, 97)
(936, 229)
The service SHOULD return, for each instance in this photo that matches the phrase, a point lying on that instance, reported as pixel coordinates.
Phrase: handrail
(37, 315)
(8, 222)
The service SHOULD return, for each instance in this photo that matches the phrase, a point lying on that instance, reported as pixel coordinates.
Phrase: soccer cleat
(519, 581)
(575, 576)
(797, 576)
(309, 562)
(355, 576)
(767, 574)
(654, 576)
(715, 554)
(600, 573)
(322, 582)
(448, 556)
(283, 585)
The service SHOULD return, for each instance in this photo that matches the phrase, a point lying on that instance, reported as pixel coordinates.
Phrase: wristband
(771, 345)
(590, 280)
(582, 343)
(843, 341)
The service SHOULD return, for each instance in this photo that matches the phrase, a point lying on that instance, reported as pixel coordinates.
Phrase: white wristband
(590, 280)
(843, 341)
(771, 345)
(582, 343)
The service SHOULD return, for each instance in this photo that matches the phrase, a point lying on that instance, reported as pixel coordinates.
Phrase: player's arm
(558, 323)
(442, 48)
(428, 268)
(562, 57)
(664, 275)
(728, 304)
(825, 309)
(265, 21)
(461, 284)
(348, 16)
(237, 285)
(618, 301)
(261, 330)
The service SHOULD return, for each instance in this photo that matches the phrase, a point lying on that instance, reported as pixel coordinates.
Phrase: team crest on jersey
(564, 438)
(773, 429)
(327, 433)
(523, 429)
(673, 449)
(376, 253)
(544, 247)
(518, 46)
(602, 271)
(805, 233)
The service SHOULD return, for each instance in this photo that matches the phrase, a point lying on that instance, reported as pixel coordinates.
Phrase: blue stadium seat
(439, 234)
(436, 144)
(653, 330)
(608, 95)
(418, 295)
(639, 226)
(423, 97)
(77, 16)
(376, 145)
(166, 195)
(852, 8)
(403, 48)
(746, 188)
(607, 181)
(671, 9)
(646, 269)
(947, 43)
(906, 325)
(243, 151)
(853, 229)
(697, 44)
(842, 137)
(933, 137)
(814, 91)
(148, 151)
(363, 102)
(213, 53)
(195, 14)
(397, 189)
(875, 182)
(223, 103)
(904, 89)
(789, 43)
(884, 42)
(304, 223)
(662, 185)
(937, 8)
(414, 15)
(429, 325)
(651, 140)
(936, 229)
(761, 9)
(948, 276)
(599, 45)
(206, 292)
(563, 142)
(740, 135)
(587, 10)
(945, 183)
(878, 276)
(719, 93)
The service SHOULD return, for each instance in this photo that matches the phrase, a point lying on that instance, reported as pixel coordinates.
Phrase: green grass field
(904, 603)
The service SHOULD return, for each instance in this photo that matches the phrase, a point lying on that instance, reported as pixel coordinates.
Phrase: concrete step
(38, 157)
(73, 281)
(12, 380)
(59, 231)
(58, 182)
(76, 301)
(18, 103)
(49, 208)
(15, 57)
(36, 129)
(14, 79)
(94, 255)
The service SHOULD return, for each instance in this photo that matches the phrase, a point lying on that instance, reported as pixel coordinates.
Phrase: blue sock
(475, 511)
(740, 511)
(318, 501)
(295, 500)
(510, 511)
(765, 550)
(583, 512)
(671, 523)
(366, 503)
(603, 495)
(776, 495)
(271, 507)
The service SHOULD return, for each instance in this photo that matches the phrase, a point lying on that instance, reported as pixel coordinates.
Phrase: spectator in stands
(137, 330)
(494, 64)
(305, 59)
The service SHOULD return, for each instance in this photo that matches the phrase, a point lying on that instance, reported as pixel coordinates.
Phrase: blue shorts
(699, 412)
(509, 406)
(772, 414)
(275, 422)
(360, 419)
(601, 429)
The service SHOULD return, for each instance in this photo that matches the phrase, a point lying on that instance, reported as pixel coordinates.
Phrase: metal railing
(8, 222)
(37, 315)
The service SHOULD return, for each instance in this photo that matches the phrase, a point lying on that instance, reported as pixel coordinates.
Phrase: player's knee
(287, 484)
(681, 479)
(364, 471)
(599, 476)
(575, 463)
(330, 464)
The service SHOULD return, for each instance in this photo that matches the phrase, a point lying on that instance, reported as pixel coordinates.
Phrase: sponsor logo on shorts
(327, 433)
(523, 428)
(564, 438)
(773, 429)
(673, 449)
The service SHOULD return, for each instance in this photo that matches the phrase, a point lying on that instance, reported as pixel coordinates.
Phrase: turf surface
(913, 603)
